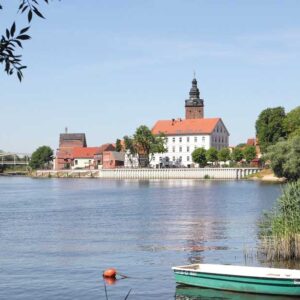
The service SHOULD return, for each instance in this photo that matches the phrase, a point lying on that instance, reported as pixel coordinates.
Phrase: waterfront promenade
(124, 173)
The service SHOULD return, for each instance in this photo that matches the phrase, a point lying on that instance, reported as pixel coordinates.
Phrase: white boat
(240, 279)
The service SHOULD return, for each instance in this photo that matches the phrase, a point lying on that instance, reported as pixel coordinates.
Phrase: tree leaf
(29, 16)
(19, 73)
(24, 29)
(21, 5)
(13, 29)
(24, 8)
(23, 37)
(36, 11)
(7, 33)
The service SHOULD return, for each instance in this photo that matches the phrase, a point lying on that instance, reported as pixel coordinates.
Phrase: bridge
(15, 158)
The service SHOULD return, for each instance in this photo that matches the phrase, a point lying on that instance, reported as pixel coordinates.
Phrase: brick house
(84, 157)
(113, 159)
(67, 142)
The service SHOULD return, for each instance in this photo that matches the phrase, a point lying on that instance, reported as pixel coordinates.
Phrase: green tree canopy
(241, 145)
(269, 127)
(41, 157)
(144, 144)
(237, 154)
(285, 158)
(118, 145)
(292, 122)
(249, 153)
(199, 157)
(212, 155)
(224, 154)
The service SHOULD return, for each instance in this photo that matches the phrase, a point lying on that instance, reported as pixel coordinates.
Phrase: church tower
(194, 106)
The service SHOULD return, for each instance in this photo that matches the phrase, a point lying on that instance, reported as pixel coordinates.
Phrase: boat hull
(245, 284)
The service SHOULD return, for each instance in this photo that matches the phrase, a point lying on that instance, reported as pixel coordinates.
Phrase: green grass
(280, 228)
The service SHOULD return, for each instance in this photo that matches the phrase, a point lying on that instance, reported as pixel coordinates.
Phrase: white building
(183, 136)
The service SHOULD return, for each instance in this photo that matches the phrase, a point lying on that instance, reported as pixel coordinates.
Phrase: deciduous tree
(269, 127)
(41, 157)
(292, 122)
(118, 145)
(212, 155)
(249, 153)
(144, 144)
(237, 154)
(285, 158)
(199, 157)
(224, 154)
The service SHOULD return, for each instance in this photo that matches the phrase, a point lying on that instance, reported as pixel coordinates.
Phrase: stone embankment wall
(196, 173)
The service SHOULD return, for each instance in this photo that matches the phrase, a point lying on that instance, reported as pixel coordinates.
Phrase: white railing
(124, 173)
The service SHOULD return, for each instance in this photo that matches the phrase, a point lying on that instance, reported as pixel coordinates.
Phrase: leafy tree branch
(11, 41)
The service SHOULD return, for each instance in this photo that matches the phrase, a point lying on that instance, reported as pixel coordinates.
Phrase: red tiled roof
(251, 142)
(185, 126)
(107, 147)
(64, 153)
(85, 152)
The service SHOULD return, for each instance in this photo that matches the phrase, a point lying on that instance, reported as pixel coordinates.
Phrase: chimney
(173, 121)
(66, 129)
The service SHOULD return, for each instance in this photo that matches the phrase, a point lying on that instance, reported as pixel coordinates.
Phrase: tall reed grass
(280, 228)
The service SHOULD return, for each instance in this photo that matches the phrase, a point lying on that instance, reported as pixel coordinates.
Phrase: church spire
(194, 105)
(194, 91)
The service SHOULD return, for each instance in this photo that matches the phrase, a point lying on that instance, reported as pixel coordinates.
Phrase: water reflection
(58, 235)
(194, 293)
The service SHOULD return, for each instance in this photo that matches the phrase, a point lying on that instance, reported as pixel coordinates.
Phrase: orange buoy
(110, 273)
(110, 280)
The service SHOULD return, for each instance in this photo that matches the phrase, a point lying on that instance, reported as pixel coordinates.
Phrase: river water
(58, 235)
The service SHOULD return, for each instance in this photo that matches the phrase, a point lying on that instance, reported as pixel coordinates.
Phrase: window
(195, 139)
(76, 162)
(187, 149)
(188, 158)
(173, 149)
(173, 140)
(203, 139)
(167, 140)
(180, 158)
(160, 158)
(195, 147)
(187, 138)
(180, 139)
(173, 158)
(180, 149)
(153, 158)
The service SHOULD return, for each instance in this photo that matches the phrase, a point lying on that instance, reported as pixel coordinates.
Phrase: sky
(106, 67)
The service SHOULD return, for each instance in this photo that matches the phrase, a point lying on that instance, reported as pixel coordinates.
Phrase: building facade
(183, 136)
(64, 154)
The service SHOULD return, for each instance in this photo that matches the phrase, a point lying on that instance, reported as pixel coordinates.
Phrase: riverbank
(266, 175)
(195, 173)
